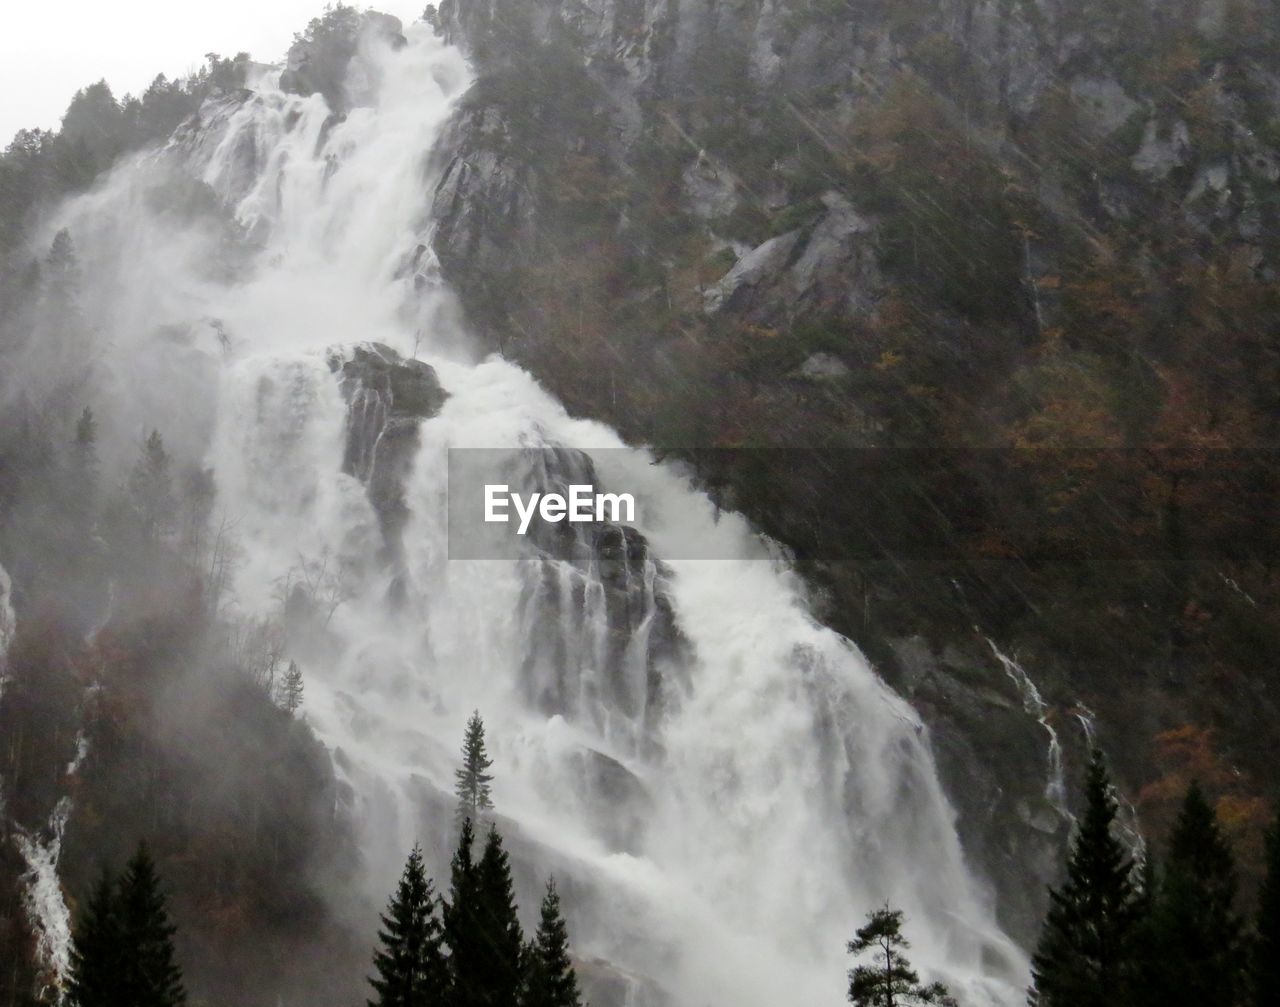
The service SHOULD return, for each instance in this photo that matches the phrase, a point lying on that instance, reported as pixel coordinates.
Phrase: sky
(51, 48)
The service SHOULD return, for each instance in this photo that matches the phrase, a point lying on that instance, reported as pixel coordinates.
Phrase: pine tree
(890, 980)
(410, 963)
(82, 482)
(150, 487)
(472, 778)
(503, 960)
(1266, 952)
(550, 978)
(1196, 954)
(149, 976)
(86, 451)
(1087, 951)
(97, 950)
(463, 931)
(291, 686)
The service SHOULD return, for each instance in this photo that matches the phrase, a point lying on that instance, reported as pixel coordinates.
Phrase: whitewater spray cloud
(726, 783)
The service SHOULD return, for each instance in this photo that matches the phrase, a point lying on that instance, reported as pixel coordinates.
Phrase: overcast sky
(51, 48)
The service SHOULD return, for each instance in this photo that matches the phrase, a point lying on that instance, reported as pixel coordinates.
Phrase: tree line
(466, 950)
(1126, 931)
(1121, 931)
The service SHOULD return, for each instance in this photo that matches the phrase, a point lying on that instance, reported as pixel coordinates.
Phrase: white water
(8, 624)
(1055, 791)
(790, 792)
(1127, 822)
(43, 899)
(42, 894)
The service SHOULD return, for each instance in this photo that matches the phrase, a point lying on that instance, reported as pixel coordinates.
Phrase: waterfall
(1055, 791)
(724, 787)
(1127, 824)
(8, 624)
(42, 897)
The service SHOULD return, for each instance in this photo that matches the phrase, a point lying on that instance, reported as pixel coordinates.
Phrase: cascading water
(721, 833)
(7, 625)
(40, 849)
(42, 894)
(1055, 787)
(1130, 828)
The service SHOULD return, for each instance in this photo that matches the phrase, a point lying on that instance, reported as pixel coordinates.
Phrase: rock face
(831, 262)
(604, 643)
(980, 728)
(387, 398)
(736, 223)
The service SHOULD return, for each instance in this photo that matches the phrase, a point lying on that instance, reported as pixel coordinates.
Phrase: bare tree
(312, 588)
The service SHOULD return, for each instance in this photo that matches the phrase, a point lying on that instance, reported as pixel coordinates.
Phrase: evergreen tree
(502, 965)
(463, 931)
(149, 976)
(291, 688)
(82, 486)
(1266, 952)
(472, 778)
(97, 950)
(1196, 952)
(889, 981)
(550, 980)
(1087, 951)
(86, 440)
(486, 948)
(61, 274)
(150, 487)
(410, 963)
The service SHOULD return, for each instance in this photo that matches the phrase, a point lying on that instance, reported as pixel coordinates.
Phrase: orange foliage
(1188, 753)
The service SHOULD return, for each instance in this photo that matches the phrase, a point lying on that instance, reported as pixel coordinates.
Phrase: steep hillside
(1032, 243)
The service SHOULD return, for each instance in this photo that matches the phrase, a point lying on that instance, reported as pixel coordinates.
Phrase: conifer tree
(502, 965)
(149, 976)
(291, 688)
(410, 962)
(1087, 951)
(150, 487)
(1196, 953)
(85, 455)
(889, 981)
(473, 778)
(550, 978)
(1266, 952)
(97, 950)
(463, 931)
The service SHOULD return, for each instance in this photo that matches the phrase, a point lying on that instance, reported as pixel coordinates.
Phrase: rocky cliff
(1037, 230)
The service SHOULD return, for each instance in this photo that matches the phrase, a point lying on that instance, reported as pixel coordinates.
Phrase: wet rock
(832, 263)
(604, 984)
(752, 272)
(980, 732)
(604, 643)
(1103, 104)
(823, 367)
(387, 398)
(1161, 152)
(711, 191)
